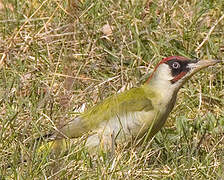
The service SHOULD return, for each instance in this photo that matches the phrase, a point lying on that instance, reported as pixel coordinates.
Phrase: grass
(55, 57)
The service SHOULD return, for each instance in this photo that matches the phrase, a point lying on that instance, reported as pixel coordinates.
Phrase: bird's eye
(176, 65)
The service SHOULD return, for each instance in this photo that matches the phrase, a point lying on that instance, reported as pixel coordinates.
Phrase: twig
(209, 33)
(213, 149)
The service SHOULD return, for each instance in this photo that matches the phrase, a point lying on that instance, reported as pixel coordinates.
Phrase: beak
(196, 66)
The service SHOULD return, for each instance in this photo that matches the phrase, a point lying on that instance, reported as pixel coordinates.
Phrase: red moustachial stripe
(179, 76)
(165, 60)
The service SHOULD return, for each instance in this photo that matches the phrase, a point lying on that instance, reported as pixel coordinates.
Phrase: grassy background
(56, 56)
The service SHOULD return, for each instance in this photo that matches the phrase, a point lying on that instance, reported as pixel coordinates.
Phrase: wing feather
(133, 100)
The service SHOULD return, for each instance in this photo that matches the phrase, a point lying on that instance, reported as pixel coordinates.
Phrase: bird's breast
(126, 126)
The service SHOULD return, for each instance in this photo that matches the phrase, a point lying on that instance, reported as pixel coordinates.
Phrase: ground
(59, 57)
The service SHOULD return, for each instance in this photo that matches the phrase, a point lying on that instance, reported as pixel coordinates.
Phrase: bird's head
(174, 71)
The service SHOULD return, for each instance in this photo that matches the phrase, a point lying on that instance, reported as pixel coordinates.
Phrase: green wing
(132, 100)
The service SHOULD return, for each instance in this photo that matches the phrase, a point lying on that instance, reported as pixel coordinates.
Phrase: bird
(132, 115)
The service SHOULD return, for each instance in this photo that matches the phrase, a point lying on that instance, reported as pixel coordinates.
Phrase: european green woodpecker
(136, 113)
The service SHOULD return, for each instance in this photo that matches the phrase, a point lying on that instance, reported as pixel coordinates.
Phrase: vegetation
(59, 57)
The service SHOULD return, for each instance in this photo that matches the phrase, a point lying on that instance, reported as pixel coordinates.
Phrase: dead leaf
(107, 30)
(3, 6)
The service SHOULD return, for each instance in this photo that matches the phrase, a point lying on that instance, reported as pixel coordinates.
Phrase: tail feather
(55, 146)
(52, 143)
(48, 137)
